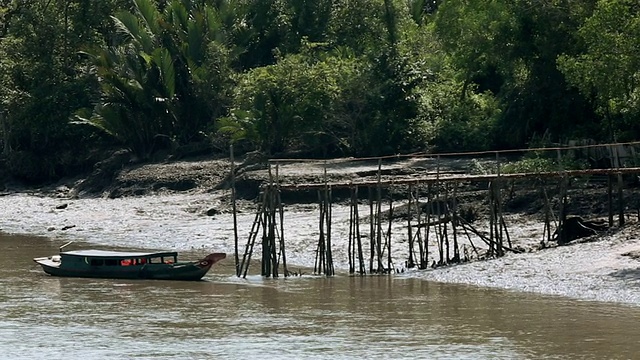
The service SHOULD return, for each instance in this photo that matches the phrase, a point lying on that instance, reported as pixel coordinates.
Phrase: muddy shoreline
(185, 206)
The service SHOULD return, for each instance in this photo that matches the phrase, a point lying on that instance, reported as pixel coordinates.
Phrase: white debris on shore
(596, 270)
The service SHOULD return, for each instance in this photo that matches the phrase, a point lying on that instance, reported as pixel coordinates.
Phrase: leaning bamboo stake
(483, 237)
(466, 231)
(253, 234)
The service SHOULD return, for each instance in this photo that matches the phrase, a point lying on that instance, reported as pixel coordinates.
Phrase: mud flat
(177, 207)
(605, 269)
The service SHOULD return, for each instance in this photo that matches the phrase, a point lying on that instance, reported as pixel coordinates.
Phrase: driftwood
(575, 228)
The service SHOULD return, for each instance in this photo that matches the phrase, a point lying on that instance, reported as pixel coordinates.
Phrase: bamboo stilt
(235, 217)
(351, 243)
(281, 213)
(454, 215)
(372, 233)
(410, 262)
(389, 261)
(379, 218)
(357, 233)
(422, 264)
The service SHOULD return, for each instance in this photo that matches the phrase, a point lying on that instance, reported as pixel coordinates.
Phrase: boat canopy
(117, 254)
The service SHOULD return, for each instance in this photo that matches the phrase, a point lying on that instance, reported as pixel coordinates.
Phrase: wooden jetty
(439, 231)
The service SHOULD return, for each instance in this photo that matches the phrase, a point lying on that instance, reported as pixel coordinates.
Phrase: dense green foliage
(322, 77)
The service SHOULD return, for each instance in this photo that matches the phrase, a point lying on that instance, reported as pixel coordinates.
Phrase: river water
(306, 317)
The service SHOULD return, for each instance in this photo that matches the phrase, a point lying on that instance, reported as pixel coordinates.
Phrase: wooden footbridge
(431, 190)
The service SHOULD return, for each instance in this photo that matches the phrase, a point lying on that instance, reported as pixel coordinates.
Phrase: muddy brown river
(307, 317)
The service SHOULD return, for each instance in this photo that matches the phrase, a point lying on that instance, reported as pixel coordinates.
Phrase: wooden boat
(126, 265)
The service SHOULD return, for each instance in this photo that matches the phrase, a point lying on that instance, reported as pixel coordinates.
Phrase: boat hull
(189, 271)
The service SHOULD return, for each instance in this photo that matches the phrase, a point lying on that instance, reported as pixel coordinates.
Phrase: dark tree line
(323, 78)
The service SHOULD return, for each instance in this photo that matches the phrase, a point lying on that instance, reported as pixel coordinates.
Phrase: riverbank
(197, 217)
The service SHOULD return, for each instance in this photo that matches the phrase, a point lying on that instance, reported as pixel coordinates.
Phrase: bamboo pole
(320, 253)
(498, 200)
(372, 234)
(389, 262)
(253, 234)
(266, 254)
(330, 268)
(620, 187)
(454, 215)
(422, 263)
(235, 213)
(428, 227)
(562, 213)
(351, 243)
(358, 237)
(447, 211)
(411, 264)
(492, 217)
(379, 217)
(281, 213)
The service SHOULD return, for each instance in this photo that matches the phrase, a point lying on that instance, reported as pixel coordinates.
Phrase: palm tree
(166, 76)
